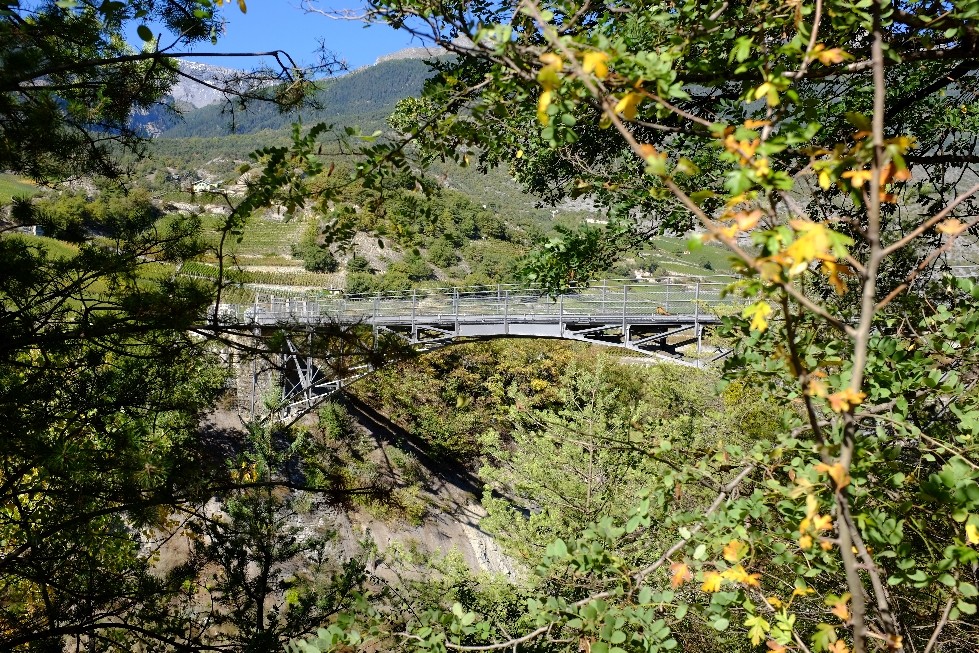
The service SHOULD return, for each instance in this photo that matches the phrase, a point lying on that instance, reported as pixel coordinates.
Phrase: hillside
(364, 97)
(472, 229)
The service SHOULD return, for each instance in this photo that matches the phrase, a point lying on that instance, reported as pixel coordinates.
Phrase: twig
(941, 624)
(930, 222)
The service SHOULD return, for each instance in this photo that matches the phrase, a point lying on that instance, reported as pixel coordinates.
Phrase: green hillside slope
(365, 97)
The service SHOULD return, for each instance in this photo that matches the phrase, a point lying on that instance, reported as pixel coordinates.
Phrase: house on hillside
(203, 186)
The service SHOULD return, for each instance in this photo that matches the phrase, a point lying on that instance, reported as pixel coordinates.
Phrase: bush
(413, 267)
(443, 253)
(315, 257)
(361, 283)
(358, 264)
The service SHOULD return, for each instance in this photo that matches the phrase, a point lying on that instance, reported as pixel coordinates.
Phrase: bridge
(664, 320)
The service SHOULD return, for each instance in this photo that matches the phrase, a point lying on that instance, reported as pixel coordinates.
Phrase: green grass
(54, 247)
(12, 186)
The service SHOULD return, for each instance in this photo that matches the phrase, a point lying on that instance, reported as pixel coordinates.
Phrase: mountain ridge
(363, 97)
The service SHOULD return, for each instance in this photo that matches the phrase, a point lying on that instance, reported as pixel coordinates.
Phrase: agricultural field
(244, 275)
(266, 240)
(673, 256)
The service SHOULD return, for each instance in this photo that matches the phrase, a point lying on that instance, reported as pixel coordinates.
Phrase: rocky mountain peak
(188, 92)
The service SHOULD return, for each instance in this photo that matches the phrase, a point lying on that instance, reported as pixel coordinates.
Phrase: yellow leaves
(543, 102)
(712, 582)
(747, 220)
(679, 574)
(755, 124)
(838, 647)
(744, 148)
(549, 78)
(816, 387)
(597, 63)
(802, 591)
(838, 606)
(734, 551)
(837, 165)
(737, 574)
(628, 106)
(757, 628)
(825, 179)
(829, 56)
(769, 270)
(858, 177)
(951, 227)
(846, 400)
(813, 523)
(552, 62)
(768, 91)
(758, 312)
(836, 273)
(901, 144)
(774, 601)
(972, 534)
(247, 474)
(812, 243)
(836, 471)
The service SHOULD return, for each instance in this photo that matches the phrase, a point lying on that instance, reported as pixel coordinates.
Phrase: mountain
(186, 95)
(411, 53)
(187, 92)
(364, 97)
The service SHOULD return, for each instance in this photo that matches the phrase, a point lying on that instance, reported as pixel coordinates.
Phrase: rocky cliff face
(189, 92)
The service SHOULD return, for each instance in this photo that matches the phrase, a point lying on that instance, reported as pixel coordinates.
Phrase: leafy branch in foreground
(830, 146)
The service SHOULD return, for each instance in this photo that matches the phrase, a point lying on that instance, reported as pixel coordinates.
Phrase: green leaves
(746, 122)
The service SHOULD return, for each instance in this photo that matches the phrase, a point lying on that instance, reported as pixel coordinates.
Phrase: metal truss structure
(665, 320)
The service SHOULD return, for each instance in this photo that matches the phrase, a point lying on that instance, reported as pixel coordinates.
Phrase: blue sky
(277, 24)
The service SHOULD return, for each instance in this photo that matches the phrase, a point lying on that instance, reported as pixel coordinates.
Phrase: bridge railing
(502, 302)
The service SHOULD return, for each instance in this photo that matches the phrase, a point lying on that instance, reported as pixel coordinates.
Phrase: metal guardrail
(501, 303)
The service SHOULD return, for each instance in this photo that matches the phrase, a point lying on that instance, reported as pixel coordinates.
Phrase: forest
(811, 485)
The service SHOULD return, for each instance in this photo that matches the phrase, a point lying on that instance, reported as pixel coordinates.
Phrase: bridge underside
(657, 335)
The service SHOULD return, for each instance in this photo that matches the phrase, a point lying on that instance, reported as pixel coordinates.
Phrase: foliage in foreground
(838, 138)
(106, 365)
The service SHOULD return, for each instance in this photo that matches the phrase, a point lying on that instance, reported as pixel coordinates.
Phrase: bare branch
(941, 625)
(931, 222)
